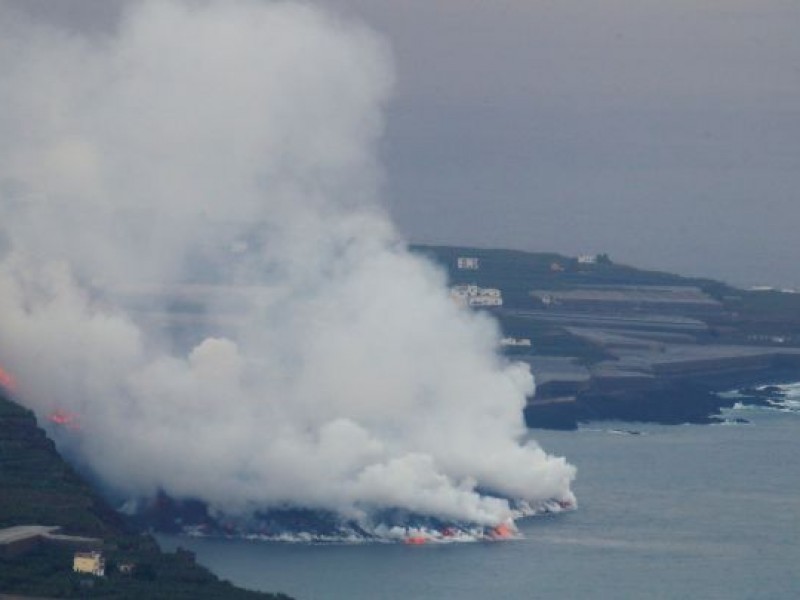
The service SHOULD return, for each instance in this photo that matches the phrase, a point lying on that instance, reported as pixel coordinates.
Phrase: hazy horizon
(664, 134)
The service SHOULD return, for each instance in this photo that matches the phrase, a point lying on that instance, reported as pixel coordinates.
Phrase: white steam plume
(241, 133)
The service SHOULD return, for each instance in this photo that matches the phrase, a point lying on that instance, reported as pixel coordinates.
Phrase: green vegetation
(766, 305)
(517, 272)
(763, 317)
(768, 317)
(38, 487)
(47, 571)
(550, 339)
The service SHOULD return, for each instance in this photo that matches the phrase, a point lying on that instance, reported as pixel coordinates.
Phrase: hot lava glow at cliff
(7, 381)
(64, 419)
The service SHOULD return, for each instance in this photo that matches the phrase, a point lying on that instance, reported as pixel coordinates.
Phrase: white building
(485, 301)
(468, 263)
(89, 562)
(587, 259)
(515, 342)
(472, 295)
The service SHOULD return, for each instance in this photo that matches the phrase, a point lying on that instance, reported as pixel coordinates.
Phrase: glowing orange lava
(7, 381)
(416, 540)
(64, 419)
(502, 531)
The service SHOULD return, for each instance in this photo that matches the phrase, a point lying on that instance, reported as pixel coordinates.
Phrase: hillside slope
(38, 487)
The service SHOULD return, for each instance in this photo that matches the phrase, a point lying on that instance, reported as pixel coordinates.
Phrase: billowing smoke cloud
(234, 143)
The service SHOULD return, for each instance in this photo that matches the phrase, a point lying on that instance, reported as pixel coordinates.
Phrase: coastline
(697, 400)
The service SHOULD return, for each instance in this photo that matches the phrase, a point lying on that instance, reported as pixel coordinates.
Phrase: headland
(610, 341)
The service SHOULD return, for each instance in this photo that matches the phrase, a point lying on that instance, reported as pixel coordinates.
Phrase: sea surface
(690, 511)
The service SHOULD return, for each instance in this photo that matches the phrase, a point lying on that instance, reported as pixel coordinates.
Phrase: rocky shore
(689, 394)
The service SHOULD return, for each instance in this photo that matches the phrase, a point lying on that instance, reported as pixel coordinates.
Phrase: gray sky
(664, 133)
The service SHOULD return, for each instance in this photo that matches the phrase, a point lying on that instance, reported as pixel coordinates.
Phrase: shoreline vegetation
(37, 487)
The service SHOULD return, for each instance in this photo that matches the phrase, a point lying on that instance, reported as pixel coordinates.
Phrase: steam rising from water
(238, 139)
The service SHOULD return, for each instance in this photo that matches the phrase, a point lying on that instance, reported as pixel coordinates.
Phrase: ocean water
(666, 512)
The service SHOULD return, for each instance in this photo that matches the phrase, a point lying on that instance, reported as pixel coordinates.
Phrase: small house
(468, 263)
(89, 562)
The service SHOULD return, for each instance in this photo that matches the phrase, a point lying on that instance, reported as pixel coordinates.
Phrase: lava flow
(64, 419)
(7, 381)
